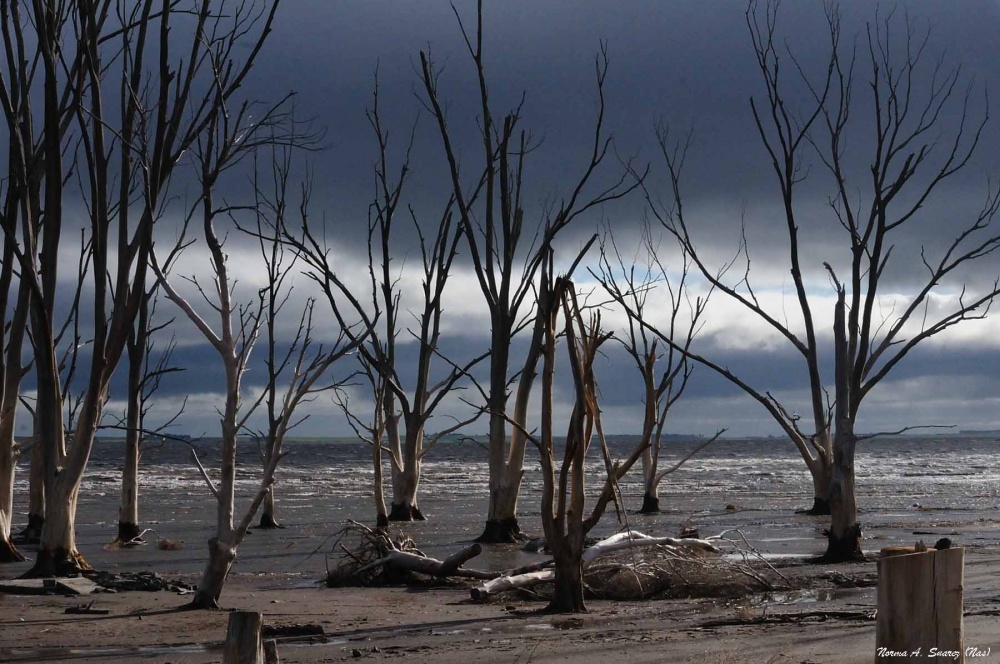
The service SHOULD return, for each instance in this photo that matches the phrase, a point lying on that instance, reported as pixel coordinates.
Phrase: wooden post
(271, 652)
(243, 639)
(920, 606)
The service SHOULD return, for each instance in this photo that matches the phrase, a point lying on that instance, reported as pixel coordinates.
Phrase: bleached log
(633, 538)
(504, 583)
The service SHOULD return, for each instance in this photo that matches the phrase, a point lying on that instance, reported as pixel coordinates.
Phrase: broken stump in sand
(243, 639)
(919, 605)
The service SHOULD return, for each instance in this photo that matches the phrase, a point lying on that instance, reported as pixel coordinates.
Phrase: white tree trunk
(128, 510)
(8, 552)
(381, 513)
(406, 480)
(57, 553)
(267, 519)
(221, 555)
(32, 532)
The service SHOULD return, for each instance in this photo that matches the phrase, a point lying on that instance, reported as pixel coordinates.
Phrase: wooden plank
(60, 586)
(920, 607)
(949, 578)
(77, 585)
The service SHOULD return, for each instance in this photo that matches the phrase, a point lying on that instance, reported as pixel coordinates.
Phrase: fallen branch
(501, 584)
(450, 566)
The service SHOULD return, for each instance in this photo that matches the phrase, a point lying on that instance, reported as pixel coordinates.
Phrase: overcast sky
(686, 63)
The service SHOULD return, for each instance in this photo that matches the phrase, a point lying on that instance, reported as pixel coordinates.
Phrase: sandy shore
(441, 624)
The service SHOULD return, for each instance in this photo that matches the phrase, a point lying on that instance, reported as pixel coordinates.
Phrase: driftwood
(631, 539)
(504, 583)
(450, 566)
(380, 558)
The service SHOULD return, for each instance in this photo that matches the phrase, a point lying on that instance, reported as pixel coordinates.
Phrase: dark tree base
(32, 533)
(267, 522)
(57, 563)
(503, 531)
(128, 532)
(9, 552)
(821, 507)
(650, 504)
(567, 592)
(202, 603)
(404, 512)
(845, 549)
(381, 521)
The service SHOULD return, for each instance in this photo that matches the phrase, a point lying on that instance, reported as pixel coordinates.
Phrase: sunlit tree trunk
(8, 552)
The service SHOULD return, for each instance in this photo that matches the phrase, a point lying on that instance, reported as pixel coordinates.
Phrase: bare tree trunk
(505, 478)
(128, 511)
(36, 494)
(32, 532)
(567, 592)
(822, 475)
(8, 552)
(845, 531)
(381, 514)
(406, 480)
(651, 487)
(267, 519)
(57, 553)
(507, 470)
(221, 555)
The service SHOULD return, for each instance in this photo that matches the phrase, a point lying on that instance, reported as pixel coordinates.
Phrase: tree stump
(920, 605)
(243, 639)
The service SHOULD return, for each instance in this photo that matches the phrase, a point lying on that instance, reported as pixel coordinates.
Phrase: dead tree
(21, 213)
(144, 379)
(78, 49)
(914, 151)
(12, 370)
(370, 432)
(405, 411)
(664, 374)
(300, 368)
(506, 256)
(562, 500)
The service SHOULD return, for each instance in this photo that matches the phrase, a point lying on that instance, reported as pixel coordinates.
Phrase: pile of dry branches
(355, 550)
(661, 572)
(628, 565)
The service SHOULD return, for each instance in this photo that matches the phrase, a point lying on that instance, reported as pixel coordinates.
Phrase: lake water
(932, 486)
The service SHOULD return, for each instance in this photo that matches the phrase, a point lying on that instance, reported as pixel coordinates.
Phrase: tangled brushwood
(356, 552)
(628, 565)
(663, 572)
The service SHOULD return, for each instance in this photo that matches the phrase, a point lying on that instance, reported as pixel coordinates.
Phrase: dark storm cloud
(686, 63)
